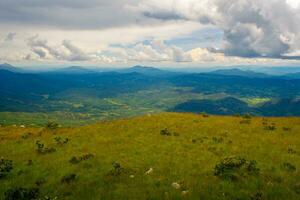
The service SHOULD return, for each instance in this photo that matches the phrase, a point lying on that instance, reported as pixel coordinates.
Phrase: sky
(150, 32)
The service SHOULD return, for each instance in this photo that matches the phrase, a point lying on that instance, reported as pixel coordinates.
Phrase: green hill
(163, 156)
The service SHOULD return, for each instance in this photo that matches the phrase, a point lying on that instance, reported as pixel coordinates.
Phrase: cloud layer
(150, 31)
(252, 28)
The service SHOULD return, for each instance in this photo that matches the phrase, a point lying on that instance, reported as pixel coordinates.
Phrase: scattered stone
(131, 176)
(175, 185)
(184, 192)
(150, 171)
(22, 126)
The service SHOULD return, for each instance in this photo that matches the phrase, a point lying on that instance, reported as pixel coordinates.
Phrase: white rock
(184, 192)
(149, 171)
(131, 176)
(175, 185)
(22, 126)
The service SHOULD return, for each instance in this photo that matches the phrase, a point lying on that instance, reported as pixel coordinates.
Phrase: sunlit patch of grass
(256, 101)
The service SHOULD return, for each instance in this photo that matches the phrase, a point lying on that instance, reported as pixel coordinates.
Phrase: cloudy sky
(150, 32)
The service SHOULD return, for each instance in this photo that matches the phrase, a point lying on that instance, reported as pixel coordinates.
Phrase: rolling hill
(239, 72)
(79, 95)
(164, 156)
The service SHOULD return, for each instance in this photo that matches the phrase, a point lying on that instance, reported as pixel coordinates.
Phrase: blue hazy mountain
(8, 67)
(239, 72)
(47, 91)
(73, 70)
(149, 71)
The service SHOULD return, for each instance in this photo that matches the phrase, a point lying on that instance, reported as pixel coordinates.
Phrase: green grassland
(74, 108)
(182, 153)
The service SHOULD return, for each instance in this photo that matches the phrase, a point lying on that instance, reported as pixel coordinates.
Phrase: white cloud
(115, 31)
(251, 28)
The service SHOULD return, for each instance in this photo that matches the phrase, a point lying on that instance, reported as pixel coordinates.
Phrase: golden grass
(187, 157)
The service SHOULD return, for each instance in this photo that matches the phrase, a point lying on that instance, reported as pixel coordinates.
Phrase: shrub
(26, 135)
(270, 127)
(291, 151)
(29, 162)
(217, 140)
(21, 194)
(41, 149)
(288, 167)
(297, 188)
(247, 116)
(286, 129)
(68, 178)
(5, 167)
(232, 168)
(48, 198)
(117, 169)
(204, 114)
(52, 125)
(237, 115)
(165, 132)
(40, 182)
(76, 160)
(257, 196)
(61, 141)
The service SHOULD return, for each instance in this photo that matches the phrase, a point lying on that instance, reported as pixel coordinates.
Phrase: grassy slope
(137, 145)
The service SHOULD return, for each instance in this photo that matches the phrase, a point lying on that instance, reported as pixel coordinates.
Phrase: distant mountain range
(73, 70)
(8, 67)
(152, 71)
(238, 72)
(66, 89)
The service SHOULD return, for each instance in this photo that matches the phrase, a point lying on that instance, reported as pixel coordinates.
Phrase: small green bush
(286, 129)
(204, 114)
(257, 196)
(61, 141)
(270, 127)
(26, 135)
(217, 140)
(165, 132)
(76, 160)
(21, 194)
(5, 167)
(117, 169)
(288, 167)
(68, 178)
(40, 182)
(52, 125)
(247, 116)
(41, 149)
(231, 168)
(291, 151)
